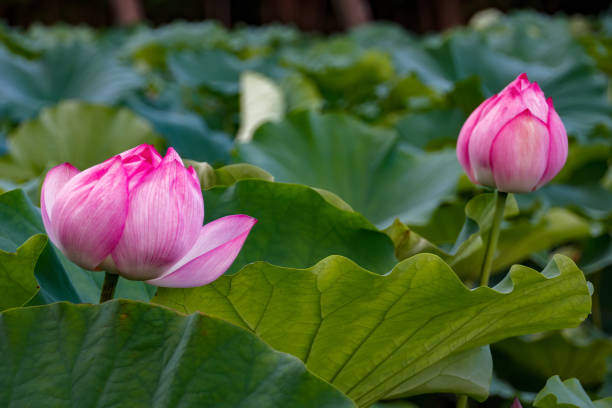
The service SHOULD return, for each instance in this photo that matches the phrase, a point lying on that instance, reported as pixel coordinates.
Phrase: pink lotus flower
(514, 141)
(140, 215)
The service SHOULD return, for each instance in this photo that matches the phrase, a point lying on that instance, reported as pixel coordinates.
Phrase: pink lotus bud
(514, 141)
(140, 215)
(516, 404)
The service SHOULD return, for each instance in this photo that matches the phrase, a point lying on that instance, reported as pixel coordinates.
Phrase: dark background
(317, 15)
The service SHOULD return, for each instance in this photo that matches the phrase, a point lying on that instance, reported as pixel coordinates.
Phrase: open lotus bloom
(140, 215)
(514, 141)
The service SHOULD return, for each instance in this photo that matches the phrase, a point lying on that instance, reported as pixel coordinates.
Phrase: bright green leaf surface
(567, 394)
(370, 334)
(131, 354)
(298, 227)
(79, 133)
(17, 281)
(362, 164)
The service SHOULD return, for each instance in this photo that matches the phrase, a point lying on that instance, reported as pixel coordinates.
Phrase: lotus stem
(108, 288)
(487, 262)
(462, 401)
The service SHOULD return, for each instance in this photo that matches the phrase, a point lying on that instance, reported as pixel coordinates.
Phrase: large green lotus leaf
(567, 394)
(298, 226)
(76, 132)
(17, 281)
(529, 361)
(132, 354)
(69, 71)
(364, 165)
(58, 278)
(369, 334)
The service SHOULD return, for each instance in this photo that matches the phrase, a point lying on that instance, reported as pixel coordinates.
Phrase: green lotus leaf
(370, 335)
(298, 226)
(363, 165)
(125, 353)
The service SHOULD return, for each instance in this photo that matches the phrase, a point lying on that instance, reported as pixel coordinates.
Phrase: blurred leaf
(149, 47)
(143, 354)
(45, 37)
(567, 394)
(69, 71)
(261, 100)
(591, 199)
(298, 226)
(217, 70)
(529, 361)
(339, 64)
(185, 131)
(75, 132)
(362, 164)
(300, 93)
(339, 318)
(533, 37)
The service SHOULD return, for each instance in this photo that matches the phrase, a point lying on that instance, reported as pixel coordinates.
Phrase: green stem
(108, 288)
(462, 401)
(500, 204)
